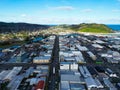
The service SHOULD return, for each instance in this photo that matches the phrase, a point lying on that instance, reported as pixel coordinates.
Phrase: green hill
(18, 27)
(92, 28)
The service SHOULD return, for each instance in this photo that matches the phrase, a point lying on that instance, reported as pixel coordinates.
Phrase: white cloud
(23, 15)
(66, 8)
(116, 10)
(86, 10)
(109, 21)
(62, 20)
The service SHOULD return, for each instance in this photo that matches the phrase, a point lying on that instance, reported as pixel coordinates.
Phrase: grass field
(93, 28)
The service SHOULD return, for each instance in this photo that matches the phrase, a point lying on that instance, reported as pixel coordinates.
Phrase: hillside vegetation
(18, 27)
(91, 28)
(22, 31)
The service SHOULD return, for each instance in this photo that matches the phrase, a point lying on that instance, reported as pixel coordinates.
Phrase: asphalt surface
(54, 76)
(21, 64)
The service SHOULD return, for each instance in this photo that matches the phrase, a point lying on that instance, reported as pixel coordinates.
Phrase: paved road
(54, 76)
(20, 64)
(94, 64)
(55, 64)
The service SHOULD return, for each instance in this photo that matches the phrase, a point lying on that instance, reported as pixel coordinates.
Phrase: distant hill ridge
(93, 28)
(16, 27)
(88, 28)
(84, 27)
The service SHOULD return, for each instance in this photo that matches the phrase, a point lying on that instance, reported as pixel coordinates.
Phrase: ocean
(114, 27)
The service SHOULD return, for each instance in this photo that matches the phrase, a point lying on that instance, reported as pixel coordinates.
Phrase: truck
(53, 70)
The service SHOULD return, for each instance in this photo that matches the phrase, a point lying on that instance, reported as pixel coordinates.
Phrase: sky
(60, 11)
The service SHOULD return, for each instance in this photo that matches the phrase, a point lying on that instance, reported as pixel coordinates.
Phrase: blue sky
(60, 11)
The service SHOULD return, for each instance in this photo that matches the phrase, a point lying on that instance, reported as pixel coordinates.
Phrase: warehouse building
(13, 73)
(3, 74)
(68, 66)
(97, 46)
(29, 71)
(14, 84)
(111, 56)
(109, 84)
(70, 80)
(89, 80)
(81, 48)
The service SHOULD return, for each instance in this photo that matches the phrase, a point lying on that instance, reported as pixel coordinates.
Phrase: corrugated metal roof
(90, 82)
(75, 78)
(13, 73)
(109, 84)
(84, 71)
(65, 85)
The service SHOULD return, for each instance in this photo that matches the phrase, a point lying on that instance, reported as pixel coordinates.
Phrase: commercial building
(14, 84)
(109, 84)
(13, 73)
(41, 59)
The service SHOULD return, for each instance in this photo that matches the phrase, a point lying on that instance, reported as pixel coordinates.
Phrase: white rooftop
(75, 78)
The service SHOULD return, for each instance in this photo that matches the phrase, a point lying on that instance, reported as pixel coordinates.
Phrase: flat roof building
(41, 59)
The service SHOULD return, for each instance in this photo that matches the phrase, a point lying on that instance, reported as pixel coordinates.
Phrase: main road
(54, 67)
